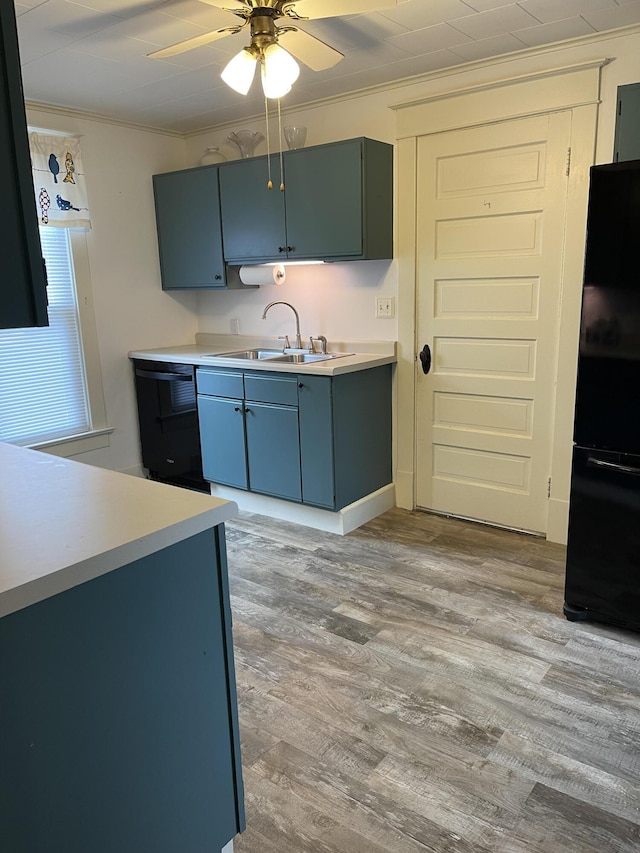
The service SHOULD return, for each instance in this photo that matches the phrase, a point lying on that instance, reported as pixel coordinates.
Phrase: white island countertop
(63, 523)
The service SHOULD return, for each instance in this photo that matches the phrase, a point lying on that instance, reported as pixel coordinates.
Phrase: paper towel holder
(263, 274)
(233, 279)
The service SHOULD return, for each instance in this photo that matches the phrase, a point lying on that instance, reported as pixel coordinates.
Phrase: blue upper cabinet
(337, 204)
(189, 230)
(252, 214)
(339, 201)
(627, 138)
(24, 300)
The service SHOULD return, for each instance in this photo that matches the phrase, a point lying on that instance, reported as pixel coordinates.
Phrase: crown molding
(507, 81)
(68, 112)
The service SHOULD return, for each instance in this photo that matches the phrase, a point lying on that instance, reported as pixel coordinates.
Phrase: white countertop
(63, 522)
(366, 354)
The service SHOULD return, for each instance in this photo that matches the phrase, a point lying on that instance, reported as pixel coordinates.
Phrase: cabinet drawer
(271, 389)
(220, 383)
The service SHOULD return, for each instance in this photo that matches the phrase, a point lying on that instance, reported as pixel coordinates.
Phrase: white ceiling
(92, 55)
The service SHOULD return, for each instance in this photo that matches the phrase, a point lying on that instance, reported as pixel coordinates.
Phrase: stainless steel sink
(247, 353)
(278, 355)
(305, 357)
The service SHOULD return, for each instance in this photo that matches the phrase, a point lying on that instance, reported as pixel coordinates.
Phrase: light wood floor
(413, 686)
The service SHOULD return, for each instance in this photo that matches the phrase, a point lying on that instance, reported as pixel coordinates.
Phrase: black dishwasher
(168, 419)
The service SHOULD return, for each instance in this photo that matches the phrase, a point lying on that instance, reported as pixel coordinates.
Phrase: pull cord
(280, 141)
(266, 114)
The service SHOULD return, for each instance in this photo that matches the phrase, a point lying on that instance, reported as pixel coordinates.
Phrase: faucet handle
(285, 338)
(323, 343)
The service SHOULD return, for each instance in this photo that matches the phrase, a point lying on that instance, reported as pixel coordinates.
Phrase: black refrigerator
(603, 551)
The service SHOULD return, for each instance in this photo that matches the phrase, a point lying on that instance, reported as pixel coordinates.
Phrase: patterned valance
(59, 181)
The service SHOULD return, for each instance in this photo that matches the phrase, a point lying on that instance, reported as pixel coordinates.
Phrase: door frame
(574, 88)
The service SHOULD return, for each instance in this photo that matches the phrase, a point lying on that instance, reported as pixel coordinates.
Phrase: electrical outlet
(234, 326)
(385, 306)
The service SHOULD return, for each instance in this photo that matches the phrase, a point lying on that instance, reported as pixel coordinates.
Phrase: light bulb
(279, 71)
(240, 71)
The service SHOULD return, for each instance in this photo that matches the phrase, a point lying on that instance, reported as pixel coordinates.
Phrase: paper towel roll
(265, 274)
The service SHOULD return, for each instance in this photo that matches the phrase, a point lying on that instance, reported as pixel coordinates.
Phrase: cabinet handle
(247, 409)
(237, 409)
(612, 466)
(282, 248)
(300, 384)
(218, 277)
(291, 248)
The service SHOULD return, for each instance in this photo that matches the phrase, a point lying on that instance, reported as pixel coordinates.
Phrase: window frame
(98, 436)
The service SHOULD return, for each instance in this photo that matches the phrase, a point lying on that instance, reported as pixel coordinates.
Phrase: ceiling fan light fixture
(239, 72)
(279, 71)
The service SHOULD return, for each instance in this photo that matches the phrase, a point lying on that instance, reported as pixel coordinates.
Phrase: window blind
(42, 374)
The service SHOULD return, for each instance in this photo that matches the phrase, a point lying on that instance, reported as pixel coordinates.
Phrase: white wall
(334, 300)
(131, 309)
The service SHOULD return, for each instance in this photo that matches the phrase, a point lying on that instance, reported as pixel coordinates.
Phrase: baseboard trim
(342, 522)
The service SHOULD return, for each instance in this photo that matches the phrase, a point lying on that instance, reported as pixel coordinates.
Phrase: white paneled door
(491, 221)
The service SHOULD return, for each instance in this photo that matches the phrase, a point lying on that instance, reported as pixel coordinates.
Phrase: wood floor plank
(372, 815)
(414, 686)
(474, 816)
(298, 823)
(575, 778)
(321, 739)
(555, 821)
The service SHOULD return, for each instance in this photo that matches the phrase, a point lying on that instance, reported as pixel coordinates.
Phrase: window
(44, 393)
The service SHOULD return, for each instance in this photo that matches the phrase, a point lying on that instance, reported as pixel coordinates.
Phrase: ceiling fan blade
(340, 8)
(190, 44)
(232, 5)
(310, 50)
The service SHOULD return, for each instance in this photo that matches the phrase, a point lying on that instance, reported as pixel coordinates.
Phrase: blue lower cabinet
(273, 450)
(222, 438)
(321, 440)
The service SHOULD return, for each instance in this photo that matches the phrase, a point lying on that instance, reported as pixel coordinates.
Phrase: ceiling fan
(278, 68)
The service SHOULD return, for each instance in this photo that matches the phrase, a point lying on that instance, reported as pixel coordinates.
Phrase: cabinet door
(339, 201)
(252, 215)
(222, 440)
(323, 192)
(273, 450)
(316, 440)
(24, 301)
(627, 139)
(189, 229)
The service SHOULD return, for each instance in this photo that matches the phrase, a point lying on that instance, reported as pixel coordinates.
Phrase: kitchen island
(118, 717)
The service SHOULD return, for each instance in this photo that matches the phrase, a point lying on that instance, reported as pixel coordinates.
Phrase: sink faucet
(289, 305)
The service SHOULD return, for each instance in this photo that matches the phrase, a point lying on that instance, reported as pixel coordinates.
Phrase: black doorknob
(425, 358)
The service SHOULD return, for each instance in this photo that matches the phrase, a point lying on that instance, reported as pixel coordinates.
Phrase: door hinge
(568, 170)
(549, 488)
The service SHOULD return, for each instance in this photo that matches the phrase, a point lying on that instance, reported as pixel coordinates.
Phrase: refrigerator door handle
(612, 466)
